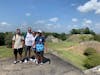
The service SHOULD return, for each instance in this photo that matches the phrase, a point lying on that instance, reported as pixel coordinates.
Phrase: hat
(40, 31)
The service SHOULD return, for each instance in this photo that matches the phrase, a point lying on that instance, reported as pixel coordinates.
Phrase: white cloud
(53, 27)
(92, 5)
(54, 19)
(74, 19)
(40, 22)
(28, 14)
(4, 24)
(87, 22)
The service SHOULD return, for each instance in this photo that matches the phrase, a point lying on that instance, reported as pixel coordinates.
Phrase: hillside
(84, 45)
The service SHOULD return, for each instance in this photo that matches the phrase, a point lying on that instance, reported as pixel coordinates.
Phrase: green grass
(5, 52)
(60, 45)
(74, 57)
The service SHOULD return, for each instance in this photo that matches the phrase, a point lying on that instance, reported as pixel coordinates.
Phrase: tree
(75, 31)
(8, 39)
(86, 30)
(82, 31)
(2, 37)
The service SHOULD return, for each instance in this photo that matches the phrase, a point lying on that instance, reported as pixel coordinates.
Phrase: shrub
(97, 37)
(89, 51)
(8, 39)
(2, 36)
(92, 61)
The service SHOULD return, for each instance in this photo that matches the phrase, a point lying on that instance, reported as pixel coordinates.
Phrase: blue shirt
(39, 41)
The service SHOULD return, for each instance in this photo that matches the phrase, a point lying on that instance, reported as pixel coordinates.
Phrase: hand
(12, 46)
(46, 51)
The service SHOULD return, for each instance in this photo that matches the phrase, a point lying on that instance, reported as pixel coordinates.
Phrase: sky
(49, 15)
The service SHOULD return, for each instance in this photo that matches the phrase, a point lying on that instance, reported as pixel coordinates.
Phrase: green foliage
(2, 37)
(61, 36)
(89, 51)
(97, 37)
(75, 31)
(92, 61)
(8, 39)
(82, 31)
(93, 58)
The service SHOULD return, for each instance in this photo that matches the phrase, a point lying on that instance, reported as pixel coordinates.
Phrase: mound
(84, 45)
(80, 37)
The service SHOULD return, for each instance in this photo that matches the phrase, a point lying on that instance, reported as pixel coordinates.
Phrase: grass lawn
(5, 52)
(61, 45)
(74, 57)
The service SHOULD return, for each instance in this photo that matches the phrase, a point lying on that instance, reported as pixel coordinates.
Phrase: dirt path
(57, 67)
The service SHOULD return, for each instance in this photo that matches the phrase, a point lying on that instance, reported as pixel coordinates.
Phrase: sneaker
(41, 63)
(34, 60)
(25, 61)
(31, 59)
(15, 62)
(20, 61)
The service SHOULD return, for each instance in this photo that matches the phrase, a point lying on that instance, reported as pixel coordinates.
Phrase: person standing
(40, 47)
(33, 46)
(17, 45)
(28, 45)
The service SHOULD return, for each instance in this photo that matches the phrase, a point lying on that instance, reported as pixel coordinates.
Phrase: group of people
(31, 41)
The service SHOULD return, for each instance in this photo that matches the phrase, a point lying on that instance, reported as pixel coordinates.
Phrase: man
(28, 45)
(17, 45)
(40, 46)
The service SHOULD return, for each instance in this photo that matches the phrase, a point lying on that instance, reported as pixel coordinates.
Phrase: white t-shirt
(28, 39)
(33, 41)
(18, 41)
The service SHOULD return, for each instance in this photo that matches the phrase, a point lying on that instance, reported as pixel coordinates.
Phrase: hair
(19, 30)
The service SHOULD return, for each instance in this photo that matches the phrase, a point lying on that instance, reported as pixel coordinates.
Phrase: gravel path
(56, 67)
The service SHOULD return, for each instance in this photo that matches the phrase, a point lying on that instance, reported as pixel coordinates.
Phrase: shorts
(41, 53)
(27, 48)
(20, 51)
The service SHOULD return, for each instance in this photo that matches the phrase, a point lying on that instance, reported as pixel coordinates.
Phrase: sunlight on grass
(5, 52)
(61, 45)
(74, 57)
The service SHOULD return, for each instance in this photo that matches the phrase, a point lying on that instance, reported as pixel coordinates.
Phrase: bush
(8, 39)
(89, 51)
(61, 36)
(92, 61)
(2, 37)
(97, 37)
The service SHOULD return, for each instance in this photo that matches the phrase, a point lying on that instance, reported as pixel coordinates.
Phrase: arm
(13, 42)
(23, 41)
(34, 44)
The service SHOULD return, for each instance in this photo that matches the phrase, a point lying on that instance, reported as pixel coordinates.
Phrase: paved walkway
(56, 67)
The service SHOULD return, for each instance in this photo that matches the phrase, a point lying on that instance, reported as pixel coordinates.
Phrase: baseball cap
(40, 31)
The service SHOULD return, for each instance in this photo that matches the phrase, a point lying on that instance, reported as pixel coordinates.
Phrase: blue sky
(49, 15)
